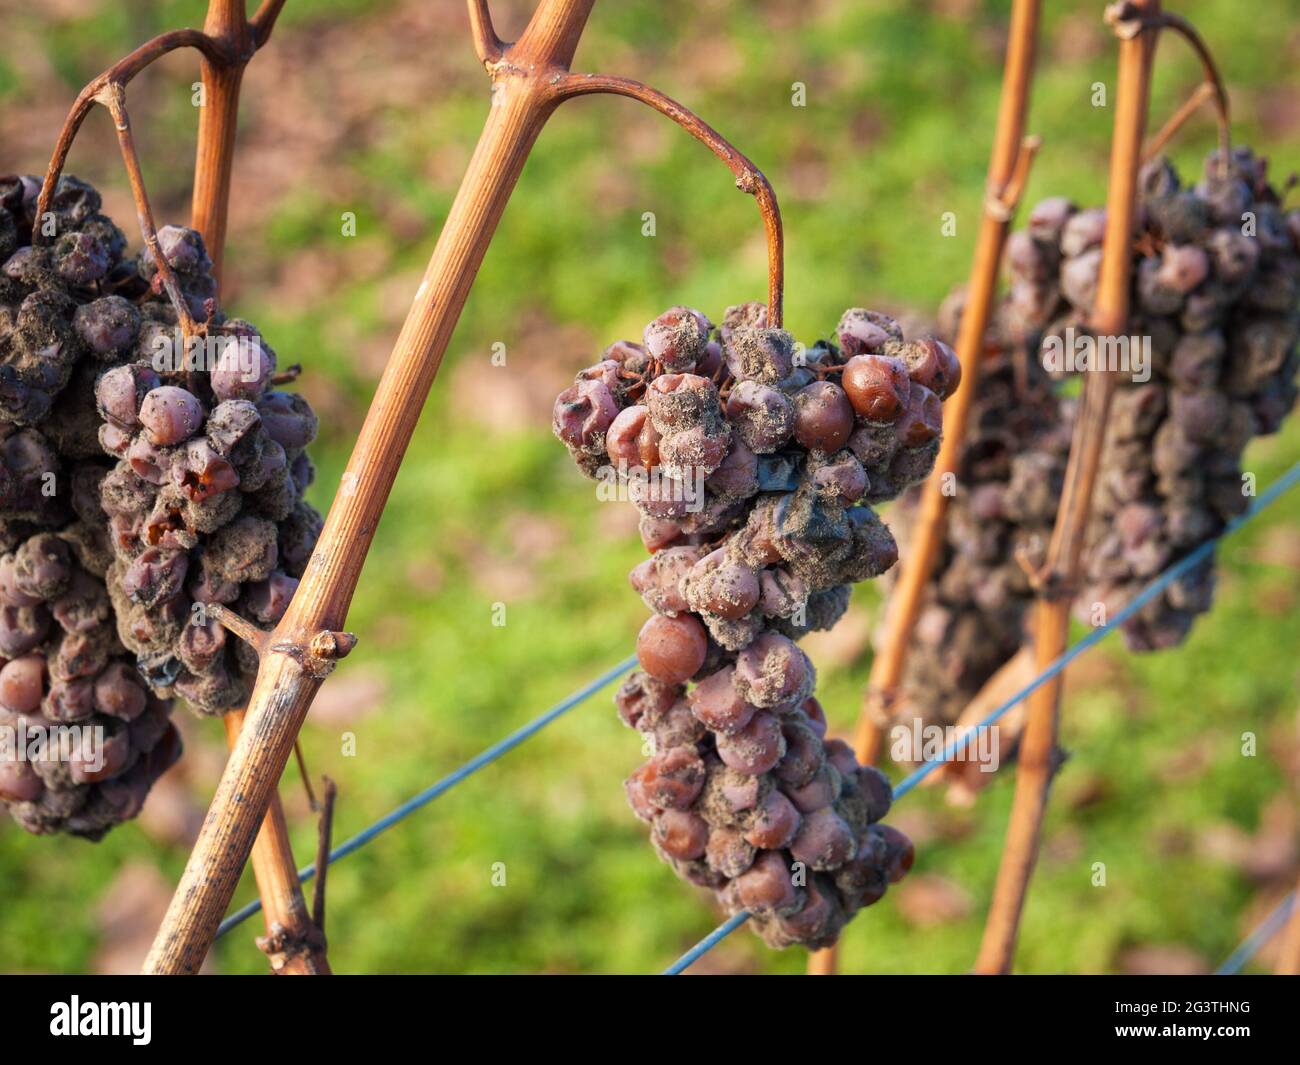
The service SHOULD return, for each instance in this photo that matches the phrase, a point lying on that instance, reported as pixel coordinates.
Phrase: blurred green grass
(898, 118)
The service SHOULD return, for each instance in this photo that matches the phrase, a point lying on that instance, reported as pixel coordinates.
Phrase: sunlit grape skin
(22, 684)
(823, 841)
(681, 834)
(718, 705)
(934, 365)
(754, 749)
(117, 692)
(677, 338)
(170, 415)
(764, 417)
(922, 421)
(120, 390)
(767, 885)
(673, 778)
(774, 824)
(877, 386)
(622, 441)
(823, 417)
(242, 371)
(672, 649)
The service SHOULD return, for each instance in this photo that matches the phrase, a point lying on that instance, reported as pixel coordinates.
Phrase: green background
(373, 108)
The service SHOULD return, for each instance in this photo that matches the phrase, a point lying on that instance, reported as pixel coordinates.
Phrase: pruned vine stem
(1009, 162)
(1037, 758)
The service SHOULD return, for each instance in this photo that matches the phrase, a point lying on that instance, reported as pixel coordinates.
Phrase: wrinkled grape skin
(681, 834)
(767, 884)
(877, 387)
(754, 749)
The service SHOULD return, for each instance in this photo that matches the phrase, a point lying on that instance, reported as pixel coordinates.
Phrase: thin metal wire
(706, 944)
(1184, 565)
(448, 782)
(1268, 928)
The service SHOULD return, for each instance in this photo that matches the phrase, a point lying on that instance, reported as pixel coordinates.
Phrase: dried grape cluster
(142, 477)
(753, 463)
(1216, 289)
(61, 663)
(1009, 475)
(205, 503)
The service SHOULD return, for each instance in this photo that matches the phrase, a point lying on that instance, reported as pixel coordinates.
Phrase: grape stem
(530, 78)
(324, 832)
(113, 96)
(245, 630)
(749, 178)
(1038, 760)
(120, 75)
(487, 45)
(1176, 121)
(1128, 19)
(1010, 161)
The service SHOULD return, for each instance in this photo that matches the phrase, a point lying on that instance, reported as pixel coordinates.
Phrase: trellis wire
(1279, 487)
(1184, 565)
(1267, 929)
(707, 943)
(448, 782)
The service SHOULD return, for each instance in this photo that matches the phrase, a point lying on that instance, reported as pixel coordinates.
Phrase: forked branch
(1181, 26)
(226, 44)
(487, 45)
(241, 628)
(287, 682)
(530, 79)
(1177, 120)
(263, 22)
(116, 77)
(1001, 204)
(300, 941)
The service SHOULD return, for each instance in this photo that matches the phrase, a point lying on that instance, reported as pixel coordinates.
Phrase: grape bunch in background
(1216, 287)
(754, 462)
(1009, 474)
(135, 483)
